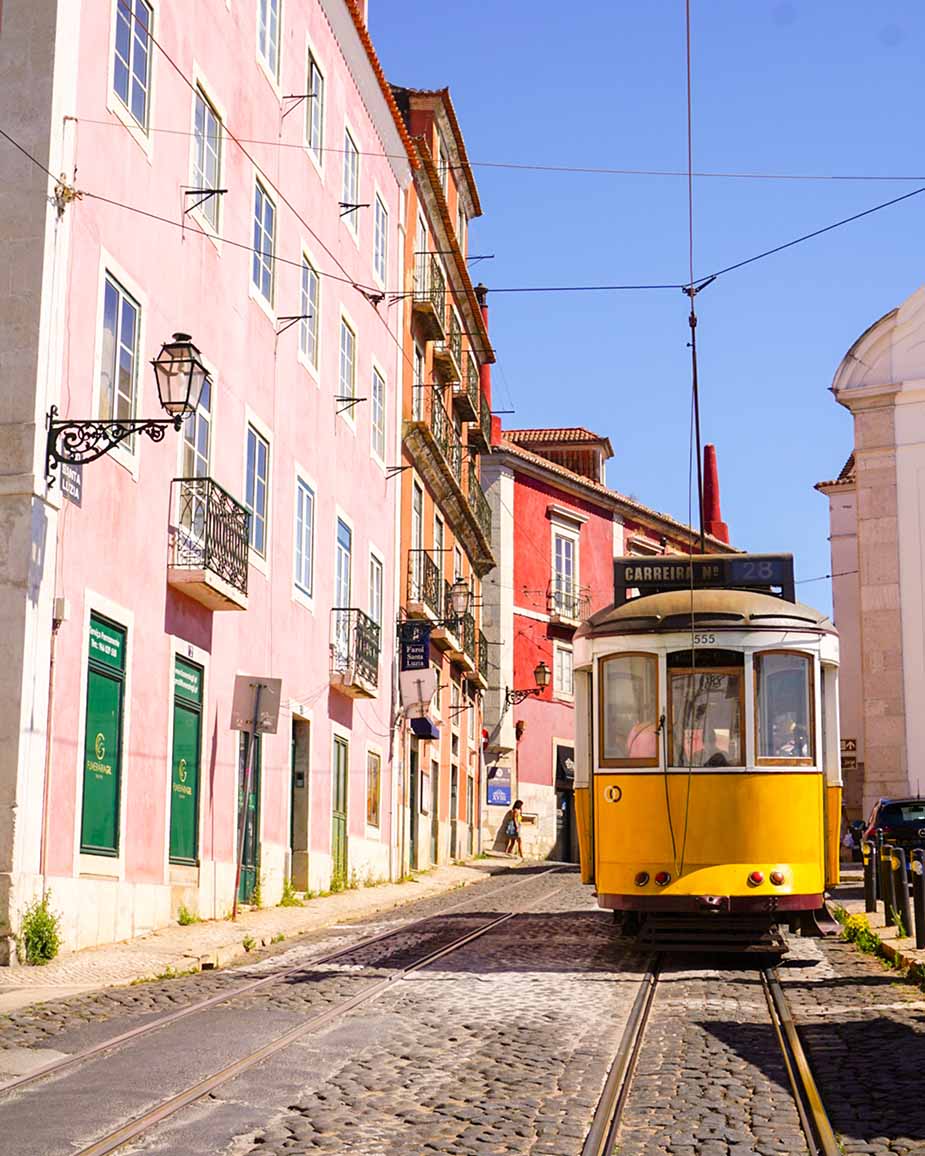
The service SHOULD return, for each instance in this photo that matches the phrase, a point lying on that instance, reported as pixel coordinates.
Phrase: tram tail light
(777, 878)
(663, 878)
(642, 878)
(756, 878)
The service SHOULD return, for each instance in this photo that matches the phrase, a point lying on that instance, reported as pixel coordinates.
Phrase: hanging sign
(415, 646)
(498, 786)
(245, 696)
(72, 482)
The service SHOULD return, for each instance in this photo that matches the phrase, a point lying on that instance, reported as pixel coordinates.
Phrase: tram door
(414, 789)
(250, 857)
(339, 812)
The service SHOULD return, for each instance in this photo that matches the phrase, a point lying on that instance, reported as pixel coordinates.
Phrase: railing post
(868, 851)
(918, 895)
(901, 889)
(886, 884)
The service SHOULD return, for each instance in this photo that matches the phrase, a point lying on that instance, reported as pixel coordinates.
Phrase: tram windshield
(629, 710)
(782, 687)
(706, 717)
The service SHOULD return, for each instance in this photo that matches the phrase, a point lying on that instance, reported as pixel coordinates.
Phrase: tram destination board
(770, 573)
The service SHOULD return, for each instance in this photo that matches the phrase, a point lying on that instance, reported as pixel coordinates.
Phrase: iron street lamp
(179, 374)
(540, 677)
(459, 597)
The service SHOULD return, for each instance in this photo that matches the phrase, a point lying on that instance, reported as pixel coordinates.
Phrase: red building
(556, 528)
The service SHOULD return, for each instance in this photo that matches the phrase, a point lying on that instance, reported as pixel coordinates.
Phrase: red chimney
(712, 517)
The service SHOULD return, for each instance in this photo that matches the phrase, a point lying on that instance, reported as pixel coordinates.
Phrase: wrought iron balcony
(480, 675)
(448, 353)
(429, 299)
(480, 431)
(446, 634)
(479, 503)
(208, 544)
(425, 586)
(466, 394)
(567, 602)
(464, 650)
(354, 652)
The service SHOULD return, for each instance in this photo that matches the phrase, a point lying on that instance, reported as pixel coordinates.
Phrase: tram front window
(706, 716)
(629, 710)
(782, 687)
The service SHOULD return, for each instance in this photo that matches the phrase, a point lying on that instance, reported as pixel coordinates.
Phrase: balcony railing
(462, 638)
(466, 394)
(429, 299)
(448, 353)
(428, 407)
(478, 501)
(209, 544)
(480, 430)
(482, 658)
(354, 652)
(568, 601)
(425, 587)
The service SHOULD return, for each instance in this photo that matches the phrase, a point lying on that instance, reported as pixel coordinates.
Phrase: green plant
(353, 881)
(169, 972)
(248, 943)
(185, 917)
(289, 898)
(256, 894)
(857, 930)
(278, 938)
(900, 926)
(39, 938)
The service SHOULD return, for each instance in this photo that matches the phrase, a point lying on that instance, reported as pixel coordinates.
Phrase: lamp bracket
(350, 207)
(75, 441)
(515, 697)
(298, 97)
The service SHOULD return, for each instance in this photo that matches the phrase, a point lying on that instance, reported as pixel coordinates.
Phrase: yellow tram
(707, 765)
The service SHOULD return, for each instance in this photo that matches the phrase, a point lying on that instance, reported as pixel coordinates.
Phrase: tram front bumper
(712, 904)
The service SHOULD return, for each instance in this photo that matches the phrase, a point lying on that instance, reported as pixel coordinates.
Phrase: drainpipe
(55, 627)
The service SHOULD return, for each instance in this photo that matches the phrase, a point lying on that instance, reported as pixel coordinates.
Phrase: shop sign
(107, 643)
(498, 786)
(188, 681)
(415, 646)
(849, 746)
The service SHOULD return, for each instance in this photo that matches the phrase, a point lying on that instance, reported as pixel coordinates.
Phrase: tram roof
(674, 610)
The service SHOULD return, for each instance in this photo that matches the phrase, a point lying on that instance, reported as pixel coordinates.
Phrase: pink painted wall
(116, 544)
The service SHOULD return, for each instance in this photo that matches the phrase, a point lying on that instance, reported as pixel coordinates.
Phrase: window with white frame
(454, 703)
(308, 328)
(264, 242)
(437, 692)
(207, 157)
(470, 717)
(314, 112)
(304, 536)
(377, 415)
(268, 35)
(565, 573)
(256, 485)
(563, 676)
(350, 187)
(375, 589)
(347, 378)
(197, 435)
(417, 401)
(380, 239)
(131, 77)
(119, 354)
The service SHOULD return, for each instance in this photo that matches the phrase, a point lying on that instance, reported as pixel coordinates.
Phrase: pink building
(242, 169)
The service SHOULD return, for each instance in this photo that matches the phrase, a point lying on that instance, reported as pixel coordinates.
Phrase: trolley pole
(901, 889)
(918, 896)
(886, 885)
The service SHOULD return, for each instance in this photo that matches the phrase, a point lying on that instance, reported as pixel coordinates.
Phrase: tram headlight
(642, 878)
(756, 879)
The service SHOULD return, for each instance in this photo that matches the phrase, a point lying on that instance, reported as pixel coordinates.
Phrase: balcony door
(565, 550)
(343, 552)
(197, 449)
(339, 780)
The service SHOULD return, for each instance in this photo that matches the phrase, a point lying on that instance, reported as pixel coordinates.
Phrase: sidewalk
(216, 943)
(850, 894)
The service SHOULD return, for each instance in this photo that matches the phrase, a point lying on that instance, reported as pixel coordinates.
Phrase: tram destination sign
(769, 573)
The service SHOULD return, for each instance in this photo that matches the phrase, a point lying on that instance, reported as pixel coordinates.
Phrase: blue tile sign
(498, 786)
(415, 645)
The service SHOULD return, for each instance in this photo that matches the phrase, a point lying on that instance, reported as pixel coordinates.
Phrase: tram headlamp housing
(642, 878)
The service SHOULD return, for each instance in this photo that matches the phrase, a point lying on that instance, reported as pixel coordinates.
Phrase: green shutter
(99, 832)
(184, 775)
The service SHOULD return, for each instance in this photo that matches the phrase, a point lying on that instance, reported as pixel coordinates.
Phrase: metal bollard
(901, 889)
(918, 895)
(878, 843)
(886, 884)
(870, 875)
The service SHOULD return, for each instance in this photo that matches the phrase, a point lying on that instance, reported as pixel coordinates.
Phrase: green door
(339, 813)
(184, 787)
(250, 860)
(99, 823)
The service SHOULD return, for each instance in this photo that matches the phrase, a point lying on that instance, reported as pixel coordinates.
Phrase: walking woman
(512, 830)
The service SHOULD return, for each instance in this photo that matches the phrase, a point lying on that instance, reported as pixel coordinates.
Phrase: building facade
(877, 532)
(557, 528)
(445, 517)
(260, 540)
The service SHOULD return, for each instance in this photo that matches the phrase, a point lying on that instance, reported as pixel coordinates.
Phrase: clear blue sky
(823, 87)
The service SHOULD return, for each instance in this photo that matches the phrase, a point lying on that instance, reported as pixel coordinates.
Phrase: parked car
(901, 820)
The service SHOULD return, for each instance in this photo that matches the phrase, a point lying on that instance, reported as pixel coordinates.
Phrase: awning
(423, 728)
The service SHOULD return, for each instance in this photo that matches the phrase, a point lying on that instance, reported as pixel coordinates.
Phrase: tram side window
(629, 710)
(707, 721)
(784, 698)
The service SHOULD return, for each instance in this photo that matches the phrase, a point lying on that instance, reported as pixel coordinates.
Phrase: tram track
(265, 981)
(602, 1136)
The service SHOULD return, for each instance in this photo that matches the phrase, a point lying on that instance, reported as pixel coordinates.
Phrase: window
(375, 589)
(119, 359)
(373, 779)
(457, 563)
(197, 435)
(629, 710)
(268, 35)
(304, 536)
(207, 157)
(416, 575)
(705, 709)
(314, 112)
(420, 259)
(380, 239)
(443, 165)
(565, 574)
(99, 820)
(454, 711)
(342, 564)
(462, 225)
(377, 415)
(264, 243)
(308, 329)
(437, 698)
(784, 699)
(256, 484)
(350, 190)
(348, 369)
(131, 79)
(184, 786)
(417, 401)
(470, 717)
(439, 548)
(563, 678)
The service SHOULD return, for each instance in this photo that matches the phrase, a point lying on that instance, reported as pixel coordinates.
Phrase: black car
(901, 820)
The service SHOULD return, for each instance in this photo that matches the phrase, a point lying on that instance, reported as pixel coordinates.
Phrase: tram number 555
(704, 640)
